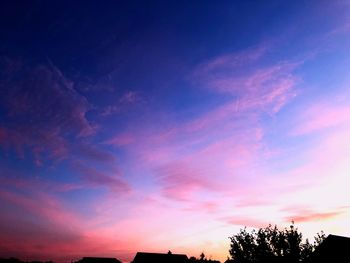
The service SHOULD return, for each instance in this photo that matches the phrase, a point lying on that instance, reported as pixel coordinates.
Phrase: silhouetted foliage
(272, 245)
(202, 258)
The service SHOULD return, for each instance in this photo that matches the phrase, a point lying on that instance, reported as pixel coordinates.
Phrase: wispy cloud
(309, 216)
(49, 225)
(121, 139)
(186, 158)
(322, 117)
(180, 180)
(42, 109)
(254, 86)
(246, 222)
(45, 114)
(125, 101)
(109, 179)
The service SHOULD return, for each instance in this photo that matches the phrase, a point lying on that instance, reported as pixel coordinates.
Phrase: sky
(132, 126)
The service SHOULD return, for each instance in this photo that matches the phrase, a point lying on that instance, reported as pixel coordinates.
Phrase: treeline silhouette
(265, 245)
(202, 259)
(273, 246)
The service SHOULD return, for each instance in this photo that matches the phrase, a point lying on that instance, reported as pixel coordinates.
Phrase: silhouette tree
(202, 258)
(272, 245)
(192, 259)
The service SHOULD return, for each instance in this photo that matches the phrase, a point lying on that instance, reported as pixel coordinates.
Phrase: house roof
(333, 249)
(142, 257)
(98, 260)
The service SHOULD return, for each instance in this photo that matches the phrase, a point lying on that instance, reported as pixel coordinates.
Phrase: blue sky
(179, 121)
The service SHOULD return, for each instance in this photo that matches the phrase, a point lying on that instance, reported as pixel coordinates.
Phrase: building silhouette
(333, 249)
(144, 257)
(98, 260)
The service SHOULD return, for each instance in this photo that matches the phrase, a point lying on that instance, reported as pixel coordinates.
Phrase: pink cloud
(267, 87)
(121, 140)
(40, 204)
(341, 28)
(127, 99)
(322, 117)
(32, 184)
(246, 222)
(39, 227)
(188, 153)
(179, 180)
(60, 244)
(308, 216)
(183, 177)
(92, 152)
(223, 153)
(256, 91)
(266, 90)
(43, 145)
(193, 142)
(234, 60)
(111, 179)
(252, 200)
(44, 110)
(50, 145)
(209, 206)
(130, 97)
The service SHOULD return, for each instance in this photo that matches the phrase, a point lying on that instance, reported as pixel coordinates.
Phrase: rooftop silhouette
(328, 249)
(98, 260)
(144, 257)
(333, 249)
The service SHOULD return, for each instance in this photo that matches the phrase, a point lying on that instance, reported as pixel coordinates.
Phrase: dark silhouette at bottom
(266, 245)
(144, 257)
(98, 260)
(333, 249)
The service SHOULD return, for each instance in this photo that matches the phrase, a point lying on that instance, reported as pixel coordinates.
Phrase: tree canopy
(272, 245)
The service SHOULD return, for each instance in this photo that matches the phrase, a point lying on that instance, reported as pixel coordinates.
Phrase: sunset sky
(132, 126)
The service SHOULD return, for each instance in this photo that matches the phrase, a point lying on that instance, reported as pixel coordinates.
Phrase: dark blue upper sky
(141, 45)
(89, 41)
